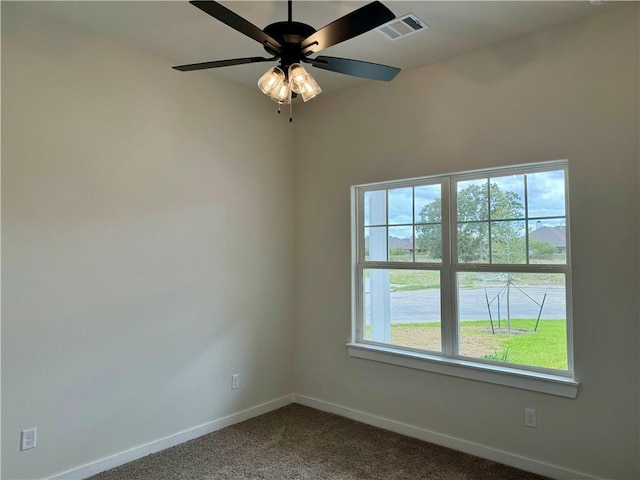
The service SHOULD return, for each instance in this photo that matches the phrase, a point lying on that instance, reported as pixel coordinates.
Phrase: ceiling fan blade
(355, 68)
(221, 63)
(351, 25)
(236, 22)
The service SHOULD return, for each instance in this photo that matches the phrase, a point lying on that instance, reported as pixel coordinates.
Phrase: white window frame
(449, 361)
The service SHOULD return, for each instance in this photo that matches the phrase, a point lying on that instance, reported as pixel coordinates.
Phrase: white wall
(146, 247)
(142, 205)
(569, 92)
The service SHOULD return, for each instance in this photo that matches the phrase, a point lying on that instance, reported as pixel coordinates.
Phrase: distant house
(556, 236)
(395, 242)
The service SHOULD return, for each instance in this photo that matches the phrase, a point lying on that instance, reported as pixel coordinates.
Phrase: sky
(545, 198)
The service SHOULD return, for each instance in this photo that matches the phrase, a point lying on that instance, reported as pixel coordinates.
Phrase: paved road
(424, 305)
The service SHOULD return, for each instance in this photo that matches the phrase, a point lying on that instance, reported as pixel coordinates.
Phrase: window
(467, 274)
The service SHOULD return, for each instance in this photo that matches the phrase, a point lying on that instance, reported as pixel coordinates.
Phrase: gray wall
(146, 248)
(568, 92)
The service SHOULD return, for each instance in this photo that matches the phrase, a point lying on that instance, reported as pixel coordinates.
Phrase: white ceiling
(182, 34)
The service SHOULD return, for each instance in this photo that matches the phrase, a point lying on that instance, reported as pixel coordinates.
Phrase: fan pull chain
(290, 107)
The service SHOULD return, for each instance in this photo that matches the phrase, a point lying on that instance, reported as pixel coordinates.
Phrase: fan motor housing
(290, 35)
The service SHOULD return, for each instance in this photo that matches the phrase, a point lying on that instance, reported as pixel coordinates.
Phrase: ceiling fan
(292, 43)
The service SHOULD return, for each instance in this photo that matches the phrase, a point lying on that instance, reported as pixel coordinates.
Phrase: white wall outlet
(530, 417)
(235, 381)
(28, 439)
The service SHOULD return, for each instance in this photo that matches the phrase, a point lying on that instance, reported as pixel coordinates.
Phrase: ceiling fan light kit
(293, 43)
(280, 86)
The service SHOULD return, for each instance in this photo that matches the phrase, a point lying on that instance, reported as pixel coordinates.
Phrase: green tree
(473, 206)
(541, 251)
(428, 237)
(541, 248)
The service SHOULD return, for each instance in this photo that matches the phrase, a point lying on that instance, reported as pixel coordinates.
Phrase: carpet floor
(297, 442)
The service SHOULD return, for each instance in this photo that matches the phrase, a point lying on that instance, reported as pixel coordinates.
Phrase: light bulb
(270, 80)
(302, 82)
(281, 92)
(297, 77)
(311, 89)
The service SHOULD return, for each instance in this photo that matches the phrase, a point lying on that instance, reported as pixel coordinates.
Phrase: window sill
(507, 376)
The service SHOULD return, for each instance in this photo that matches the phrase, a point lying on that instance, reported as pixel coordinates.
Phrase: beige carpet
(297, 442)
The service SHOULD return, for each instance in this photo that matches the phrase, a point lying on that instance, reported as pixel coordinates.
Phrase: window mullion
(447, 292)
(358, 252)
(358, 327)
(489, 220)
(526, 221)
(413, 224)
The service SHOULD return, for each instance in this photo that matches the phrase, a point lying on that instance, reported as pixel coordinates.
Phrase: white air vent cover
(401, 27)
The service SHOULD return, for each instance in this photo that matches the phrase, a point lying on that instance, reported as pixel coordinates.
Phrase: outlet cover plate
(530, 419)
(28, 439)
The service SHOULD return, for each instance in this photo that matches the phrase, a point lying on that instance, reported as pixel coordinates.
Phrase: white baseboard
(140, 451)
(481, 451)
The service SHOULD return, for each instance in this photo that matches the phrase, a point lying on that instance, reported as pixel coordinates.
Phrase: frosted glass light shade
(271, 80)
(274, 83)
(297, 76)
(302, 82)
(281, 92)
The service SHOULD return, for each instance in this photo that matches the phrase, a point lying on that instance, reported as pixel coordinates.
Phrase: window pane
(472, 200)
(375, 207)
(508, 242)
(401, 206)
(545, 192)
(428, 243)
(428, 204)
(400, 244)
(402, 307)
(473, 242)
(375, 243)
(507, 197)
(517, 318)
(548, 242)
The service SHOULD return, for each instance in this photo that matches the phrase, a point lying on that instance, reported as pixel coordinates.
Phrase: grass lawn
(547, 347)
(405, 280)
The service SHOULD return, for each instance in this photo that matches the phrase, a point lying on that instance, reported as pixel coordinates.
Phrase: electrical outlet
(28, 439)
(530, 417)
(235, 381)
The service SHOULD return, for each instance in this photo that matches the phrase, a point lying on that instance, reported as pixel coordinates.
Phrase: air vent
(403, 26)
